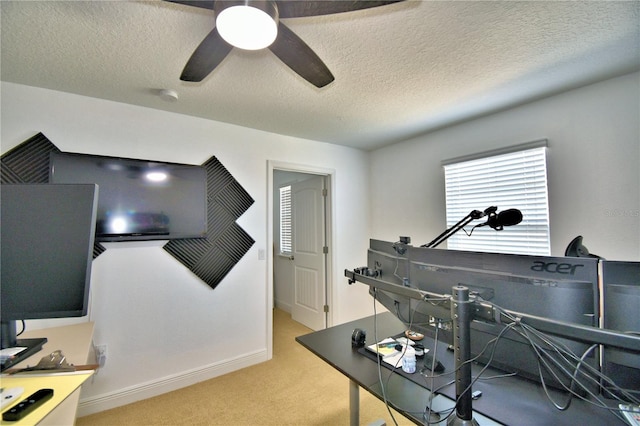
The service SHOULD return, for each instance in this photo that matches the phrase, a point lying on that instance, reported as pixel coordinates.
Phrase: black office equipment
(513, 312)
(563, 289)
(621, 284)
(46, 251)
(139, 199)
(27, 405)
(507, 400)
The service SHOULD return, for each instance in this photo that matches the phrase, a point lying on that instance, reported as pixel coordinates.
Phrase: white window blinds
(285, 219)
(507, 180)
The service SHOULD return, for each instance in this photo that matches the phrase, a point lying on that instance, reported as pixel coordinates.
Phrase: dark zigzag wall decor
(210, 259)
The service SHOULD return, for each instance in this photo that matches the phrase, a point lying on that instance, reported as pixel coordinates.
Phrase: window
(285, 220)
(515, 178)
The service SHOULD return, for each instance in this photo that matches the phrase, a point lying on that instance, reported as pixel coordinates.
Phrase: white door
(309, 252)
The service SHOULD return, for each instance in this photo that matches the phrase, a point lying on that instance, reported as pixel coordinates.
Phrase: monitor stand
(32, 346)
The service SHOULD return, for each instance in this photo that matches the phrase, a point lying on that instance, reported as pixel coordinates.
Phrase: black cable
(563, 352)
(478, 377)
(599, 402)
(24, 326)
(433, 367)
(541, 353)
(451, 411)
(561, 349)
(484, 368)
(563, 359)
(493, 341)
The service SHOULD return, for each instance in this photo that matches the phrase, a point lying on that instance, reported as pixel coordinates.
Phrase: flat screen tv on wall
(139, 199)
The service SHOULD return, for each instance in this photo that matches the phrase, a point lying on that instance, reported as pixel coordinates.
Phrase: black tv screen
(139, 199)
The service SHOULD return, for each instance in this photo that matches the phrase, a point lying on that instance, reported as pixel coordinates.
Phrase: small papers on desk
(386, 350)
(384, 347)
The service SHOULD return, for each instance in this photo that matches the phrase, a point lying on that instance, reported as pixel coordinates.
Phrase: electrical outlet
(101, 354)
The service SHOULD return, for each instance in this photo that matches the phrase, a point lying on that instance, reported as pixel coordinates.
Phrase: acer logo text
(555, 268)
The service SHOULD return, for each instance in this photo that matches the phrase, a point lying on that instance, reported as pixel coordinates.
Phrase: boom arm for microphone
(473, 215)
(497, 221)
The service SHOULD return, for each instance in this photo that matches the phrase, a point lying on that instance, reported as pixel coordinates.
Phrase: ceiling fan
(239, 20)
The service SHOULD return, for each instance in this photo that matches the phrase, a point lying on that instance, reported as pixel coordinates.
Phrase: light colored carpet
(293, 388)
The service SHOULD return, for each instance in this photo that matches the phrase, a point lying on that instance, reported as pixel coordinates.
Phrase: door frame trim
(273, 165)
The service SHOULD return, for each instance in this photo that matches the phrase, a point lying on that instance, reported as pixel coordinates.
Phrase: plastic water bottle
(409, 360)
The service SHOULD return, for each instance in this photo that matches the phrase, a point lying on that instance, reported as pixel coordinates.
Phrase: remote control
(9, 396)
(27, 405)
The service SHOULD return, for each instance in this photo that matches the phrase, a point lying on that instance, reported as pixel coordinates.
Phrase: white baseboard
(95, 404)
(285, 306)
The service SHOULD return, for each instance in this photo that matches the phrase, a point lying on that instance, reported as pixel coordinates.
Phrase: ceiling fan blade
(295, 53)
(204, 4)
(206, 57)
(296, 9)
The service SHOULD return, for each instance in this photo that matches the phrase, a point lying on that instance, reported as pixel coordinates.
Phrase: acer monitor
(558, 288)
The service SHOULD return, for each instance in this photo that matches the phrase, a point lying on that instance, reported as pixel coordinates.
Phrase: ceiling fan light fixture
(249, 25)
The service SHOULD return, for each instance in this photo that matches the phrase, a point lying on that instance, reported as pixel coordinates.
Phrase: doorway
(301, 270)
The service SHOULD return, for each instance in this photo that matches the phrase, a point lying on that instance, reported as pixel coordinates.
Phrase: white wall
(593, 169)
(165, 328)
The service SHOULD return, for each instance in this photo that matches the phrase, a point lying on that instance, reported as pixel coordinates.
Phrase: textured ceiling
(400, 70)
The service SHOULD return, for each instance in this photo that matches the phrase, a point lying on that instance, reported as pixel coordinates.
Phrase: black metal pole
(461, 313)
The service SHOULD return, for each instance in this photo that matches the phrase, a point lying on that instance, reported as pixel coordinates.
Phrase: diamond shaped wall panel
(234, 199)
(188, 251)
(209, 258)
(227, 241)
(219, 220)
(213, 267)
(9, 176)
(29, 161)
(218, 177)
(235, 242)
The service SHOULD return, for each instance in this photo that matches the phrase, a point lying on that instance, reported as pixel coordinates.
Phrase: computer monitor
(558, 288)
(46, 249)
(621, 306)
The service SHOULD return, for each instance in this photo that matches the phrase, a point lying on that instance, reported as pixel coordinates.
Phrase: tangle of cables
(556, 363)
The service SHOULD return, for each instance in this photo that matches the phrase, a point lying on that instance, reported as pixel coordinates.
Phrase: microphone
(507, 217)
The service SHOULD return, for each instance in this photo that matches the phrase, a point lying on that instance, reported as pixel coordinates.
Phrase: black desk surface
(507, 400)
